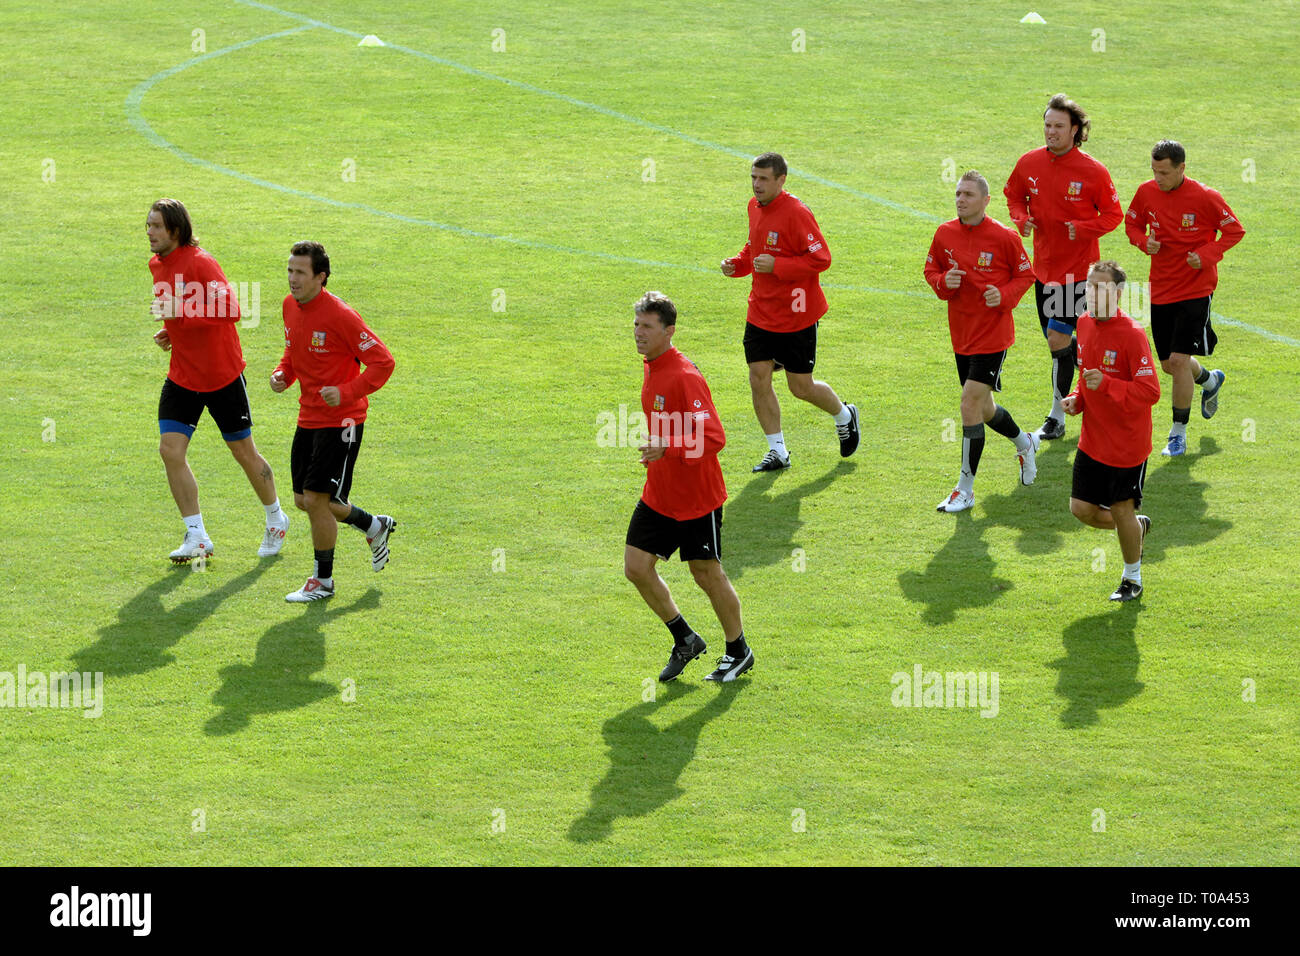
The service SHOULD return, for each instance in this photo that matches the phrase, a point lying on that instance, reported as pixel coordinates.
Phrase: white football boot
(957, 501)
(273, 540)
(1028, 462)
(195, 545)
(313, 590)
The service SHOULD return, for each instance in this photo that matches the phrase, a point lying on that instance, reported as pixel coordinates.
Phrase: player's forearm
(938, 286)
(1015, 290)
(1098, 226)
(802, 267)
(1017, 208)
(1212, 252)
(371, 380)
(285, 368)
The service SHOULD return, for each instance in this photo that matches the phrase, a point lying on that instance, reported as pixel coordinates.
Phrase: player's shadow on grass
(759, 525)
(1099, 670)
(1177, 505)
(959, 575)
(1040, 514)
(645, 761)
(139, 640)
(280, 676)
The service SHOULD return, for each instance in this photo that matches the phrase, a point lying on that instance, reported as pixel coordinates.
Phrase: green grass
(516, 695)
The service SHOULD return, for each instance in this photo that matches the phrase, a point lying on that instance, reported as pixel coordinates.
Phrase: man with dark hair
(681, 503)
(325, 344)
(1067, 201)
(1175, 220)
(785, 253)
(979, 267)
(198, 311)
(1116, 389)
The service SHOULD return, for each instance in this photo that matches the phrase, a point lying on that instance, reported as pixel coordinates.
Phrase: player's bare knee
(1082, 510)
(172, 450)
(637, 568)
(707, 574)
(299, 502)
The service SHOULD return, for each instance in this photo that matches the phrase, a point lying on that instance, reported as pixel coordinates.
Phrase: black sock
(972, 446)
(325, 564)
(680, 629)
(1003, 423)
(1204, 376)
(737, 648)
(359, 519)
(1182, 415)
(1063, 368)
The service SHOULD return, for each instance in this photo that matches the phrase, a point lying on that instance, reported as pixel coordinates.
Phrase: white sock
(843, 416)
(194, 523)
(1058, 410)
(375, 525)
(1134, 571)
(1023, 442)
(777, 444)
(273, 512)
(1179, 428)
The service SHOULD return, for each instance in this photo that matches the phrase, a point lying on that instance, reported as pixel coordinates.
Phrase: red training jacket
(1116, 428)
(790, 297)
(687, 481)
(1056, 190)
(991, 255)
(205, 353)
(325, 343)
(1183, 220)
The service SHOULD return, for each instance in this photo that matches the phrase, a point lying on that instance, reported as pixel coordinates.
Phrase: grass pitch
(493, 203)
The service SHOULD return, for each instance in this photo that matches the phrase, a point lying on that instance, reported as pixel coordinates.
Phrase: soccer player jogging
(325, 343)
(1067, 201)
(681, 503)
(1116, 389)
(979, 267)
(1175, 221)
(198, 311)
(786, 254)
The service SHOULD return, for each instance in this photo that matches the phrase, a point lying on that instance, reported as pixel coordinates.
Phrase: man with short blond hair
(979, 267)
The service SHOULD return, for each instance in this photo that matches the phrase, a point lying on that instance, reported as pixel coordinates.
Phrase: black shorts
(1183, 327)
(1060, 306)
(1100, 484)
(700, 538)
(179, 409)
(985, 367)
(322, 459)
(793, 351)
